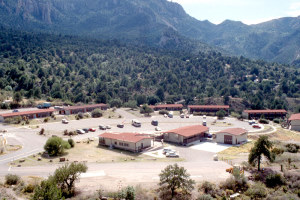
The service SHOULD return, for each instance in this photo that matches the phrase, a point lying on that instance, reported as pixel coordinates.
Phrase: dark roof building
(267, 114)
(207, 109)
(69, 110)
(30, 114)
(172, 107)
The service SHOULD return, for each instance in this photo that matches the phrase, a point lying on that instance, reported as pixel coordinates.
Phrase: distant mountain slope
(156, 23)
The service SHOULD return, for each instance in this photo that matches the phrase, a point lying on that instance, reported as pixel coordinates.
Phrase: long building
(172, 107)
(127, 141)
(267, 114)
(208, 109)
(30, 114)
(70, 110)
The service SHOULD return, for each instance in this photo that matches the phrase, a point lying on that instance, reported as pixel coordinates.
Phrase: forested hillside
(84, 70)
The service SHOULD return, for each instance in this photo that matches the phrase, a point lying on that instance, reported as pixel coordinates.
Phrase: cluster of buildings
(185, 136)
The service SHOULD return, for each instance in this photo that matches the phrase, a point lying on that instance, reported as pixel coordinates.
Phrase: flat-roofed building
(267, 114)
(30, 114)
(208, 109)
(185, 135)
(70, 110)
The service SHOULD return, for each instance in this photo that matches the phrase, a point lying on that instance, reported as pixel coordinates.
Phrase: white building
(295, 122)
(232, 136)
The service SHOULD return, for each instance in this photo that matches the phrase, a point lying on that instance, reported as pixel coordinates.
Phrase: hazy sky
(247, 11)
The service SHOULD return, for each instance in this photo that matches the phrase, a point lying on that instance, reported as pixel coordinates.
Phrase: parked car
(108, 127)
(204, 123)
(86, 130)
(92, 129)
(120, 125)
(102, 127)
(15, 111)
(256, 126)
(251, 122)
(136, 123)
(170, 115)
(172, 154)
(187, 116)
(181, 115)
(64, 121)
(167, 150)
(157, 128)
(154, 122)
(165, 115)
(208, 135)
(80, 131)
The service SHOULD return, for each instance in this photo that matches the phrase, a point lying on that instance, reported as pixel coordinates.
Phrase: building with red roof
(232, 136)
(185, 135)
(208, 109)
(172, 107)
(134, 142)
(71, 110)
(267, 114)
(32, 114)
(294, 121)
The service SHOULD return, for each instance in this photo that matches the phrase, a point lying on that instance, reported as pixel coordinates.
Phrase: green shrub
(292, 148)
(97, 113)
(71, 142)
(55, 146)
(163, 112)
(257, 191)
(274, 180)
(205, 197)
(221, 114)
(46, 119)
(263, 121)
(80, 115)
(12, 179)
(207, 187)
(277, 151)
(276, 120)
(29, 188)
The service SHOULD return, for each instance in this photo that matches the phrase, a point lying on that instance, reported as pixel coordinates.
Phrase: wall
(173, 137)
(131, 145)
(238, 139)
(295, 125)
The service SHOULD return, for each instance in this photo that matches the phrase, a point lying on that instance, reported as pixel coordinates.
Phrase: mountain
(159, 23)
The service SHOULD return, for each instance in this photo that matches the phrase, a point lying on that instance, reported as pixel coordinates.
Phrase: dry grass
(235, 151)
(92, 153)
(109, 114)
(285, 135)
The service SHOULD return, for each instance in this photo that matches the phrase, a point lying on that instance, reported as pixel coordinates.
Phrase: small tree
(18, 97)
(145, 109)
(55, 146)
(174, 178)
(221, 114)
(66, 176)
(97, 113)
(47, 190)
(261, 147)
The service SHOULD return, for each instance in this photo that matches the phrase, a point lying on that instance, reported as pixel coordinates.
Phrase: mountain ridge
(150, 21)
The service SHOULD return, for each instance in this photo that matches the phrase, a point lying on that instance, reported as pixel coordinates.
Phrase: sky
(247, 11)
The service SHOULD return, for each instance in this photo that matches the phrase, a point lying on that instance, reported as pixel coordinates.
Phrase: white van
(136, 123)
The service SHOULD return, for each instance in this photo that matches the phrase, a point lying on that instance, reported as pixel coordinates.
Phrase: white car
(167, 150)
(108, 127)
(64, 121)
(157, 129)
(172, 154)
(80, 131)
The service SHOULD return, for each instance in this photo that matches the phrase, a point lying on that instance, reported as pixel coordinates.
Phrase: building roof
(209, 106)
(234, 131)
(84, 106)
(265, 111)
(127, 137)
(31, 112)
(169, 106)
(295, 117)
(188, 131)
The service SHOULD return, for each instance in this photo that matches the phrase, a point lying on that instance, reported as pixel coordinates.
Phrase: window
(126, 145)
(115, 143)
(121, 144)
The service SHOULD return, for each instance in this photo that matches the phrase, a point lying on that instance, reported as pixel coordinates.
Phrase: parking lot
(165, 124)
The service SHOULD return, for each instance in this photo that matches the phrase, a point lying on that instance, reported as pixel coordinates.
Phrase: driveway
(210, 146)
